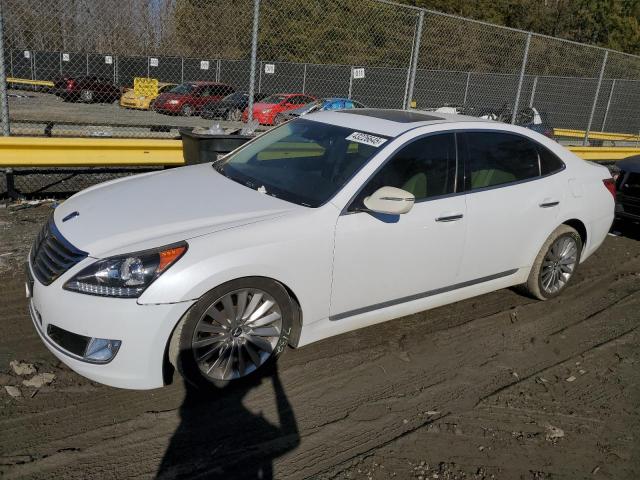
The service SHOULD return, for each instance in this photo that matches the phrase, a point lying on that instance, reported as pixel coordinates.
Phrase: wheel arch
(580, 227)
(168, 369)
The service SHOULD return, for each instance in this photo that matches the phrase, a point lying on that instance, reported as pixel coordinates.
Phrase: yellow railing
(611, 136)
(88, 152)
(26, 81)
(107, 152)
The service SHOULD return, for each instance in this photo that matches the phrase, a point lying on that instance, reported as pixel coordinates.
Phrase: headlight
(125, 276)
(267, 110)
(173, 102)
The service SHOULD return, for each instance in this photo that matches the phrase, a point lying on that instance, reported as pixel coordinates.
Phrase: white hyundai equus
(323, 225)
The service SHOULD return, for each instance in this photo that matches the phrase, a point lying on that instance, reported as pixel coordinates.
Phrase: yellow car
(142, 102)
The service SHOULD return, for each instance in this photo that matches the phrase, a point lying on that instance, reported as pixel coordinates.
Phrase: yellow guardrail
(605, 153)
(108, 152)
(26, 81)
(611, 136)
(88, 152)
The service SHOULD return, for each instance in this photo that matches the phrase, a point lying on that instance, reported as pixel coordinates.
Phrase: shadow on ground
(218, 437)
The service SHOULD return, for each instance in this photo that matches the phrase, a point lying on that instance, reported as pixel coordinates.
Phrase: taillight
(70, 84)
(610, 185)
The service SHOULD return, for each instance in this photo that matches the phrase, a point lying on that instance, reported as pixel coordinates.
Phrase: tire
(234, 115)
(187, 110)
(229, 355)
(279, 119)
(555, 264)
(86, 96)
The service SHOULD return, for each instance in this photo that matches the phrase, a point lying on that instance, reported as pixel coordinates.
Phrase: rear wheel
(234, 115)
(86, 96)
(232, 332)
(555, 264)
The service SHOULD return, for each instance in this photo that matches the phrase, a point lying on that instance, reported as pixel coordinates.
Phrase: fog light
(101, 349)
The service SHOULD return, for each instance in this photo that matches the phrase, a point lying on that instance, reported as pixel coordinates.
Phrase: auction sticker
(366, 138)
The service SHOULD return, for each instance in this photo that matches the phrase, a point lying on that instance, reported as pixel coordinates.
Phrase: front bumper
(143, 329)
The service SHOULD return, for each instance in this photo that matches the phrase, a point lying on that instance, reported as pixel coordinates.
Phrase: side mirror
(390, 200)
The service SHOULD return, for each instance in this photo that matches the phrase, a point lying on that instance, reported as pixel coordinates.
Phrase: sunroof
(400, 116)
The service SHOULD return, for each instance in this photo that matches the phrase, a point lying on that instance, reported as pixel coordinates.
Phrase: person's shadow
(219, 438)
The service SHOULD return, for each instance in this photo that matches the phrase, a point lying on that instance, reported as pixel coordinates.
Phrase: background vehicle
(318, 106)
(87, 89)
(628, 189)
(266, 110)
(312, 229)
(230, 107)
(129, 99)
(188, 98)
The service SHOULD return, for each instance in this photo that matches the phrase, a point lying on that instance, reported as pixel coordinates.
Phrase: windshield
(183, 88)
(302, 161)
(235, 97)
(274, 99)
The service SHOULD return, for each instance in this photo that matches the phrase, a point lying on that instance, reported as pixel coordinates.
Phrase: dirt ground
(498, 386)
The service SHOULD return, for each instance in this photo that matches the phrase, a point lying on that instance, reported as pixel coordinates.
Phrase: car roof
(630, 164)
(204, 82)
(388, 122)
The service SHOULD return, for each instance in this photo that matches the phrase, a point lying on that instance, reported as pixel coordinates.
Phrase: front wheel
(279, 119)
(232, 332)
(187, 110)
(555, 264)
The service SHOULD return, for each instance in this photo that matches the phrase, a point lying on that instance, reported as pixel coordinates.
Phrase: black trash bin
(202, 148)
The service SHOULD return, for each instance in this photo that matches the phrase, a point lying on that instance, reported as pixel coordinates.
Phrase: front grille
(52, 255)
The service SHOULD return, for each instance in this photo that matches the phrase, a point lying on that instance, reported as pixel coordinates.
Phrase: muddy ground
(498, 386)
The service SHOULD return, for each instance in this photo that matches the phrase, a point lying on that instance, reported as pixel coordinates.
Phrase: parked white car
(320, 226)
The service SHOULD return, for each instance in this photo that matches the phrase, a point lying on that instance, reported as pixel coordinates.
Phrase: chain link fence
(133, 68)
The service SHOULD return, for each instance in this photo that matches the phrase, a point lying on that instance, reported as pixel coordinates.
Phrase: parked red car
(86, 89)
(266, 110)
(188, 98)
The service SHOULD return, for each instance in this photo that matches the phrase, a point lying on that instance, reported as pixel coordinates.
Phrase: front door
(382, 260)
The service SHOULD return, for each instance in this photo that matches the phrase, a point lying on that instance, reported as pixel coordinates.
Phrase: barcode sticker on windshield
(366, 139)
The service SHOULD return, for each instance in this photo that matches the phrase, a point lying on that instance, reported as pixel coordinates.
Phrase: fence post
(350, 83)
(4, 104)
(585, 142)
(87, 62)
(304, 78)
(606, 112)
(533, 91)
(181, 69)
(466, 90)
(522, 70)
(414, 60)
(254, 53)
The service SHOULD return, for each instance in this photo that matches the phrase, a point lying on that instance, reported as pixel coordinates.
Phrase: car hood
(263, 106)
(160, 208)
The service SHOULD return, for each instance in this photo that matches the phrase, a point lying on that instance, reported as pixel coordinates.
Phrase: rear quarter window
(549, 162)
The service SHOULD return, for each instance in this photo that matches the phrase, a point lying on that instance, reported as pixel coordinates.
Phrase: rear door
(383, 260)
(511, 206)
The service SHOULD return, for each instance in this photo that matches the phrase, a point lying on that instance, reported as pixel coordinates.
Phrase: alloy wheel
(237, 334)
(558, 264)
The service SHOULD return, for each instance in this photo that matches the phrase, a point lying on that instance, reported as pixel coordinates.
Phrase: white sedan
(323, 225)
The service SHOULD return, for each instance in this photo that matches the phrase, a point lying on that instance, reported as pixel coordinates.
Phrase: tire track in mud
(353, 396)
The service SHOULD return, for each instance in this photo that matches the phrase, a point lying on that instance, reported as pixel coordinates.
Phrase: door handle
(549, 204)
(449, 218)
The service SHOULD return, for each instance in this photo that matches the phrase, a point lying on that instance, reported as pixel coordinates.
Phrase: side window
(549, 163)
(425, 167)
(495, 158)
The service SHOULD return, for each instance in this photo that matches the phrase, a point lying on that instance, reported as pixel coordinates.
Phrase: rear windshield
(274, 99)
